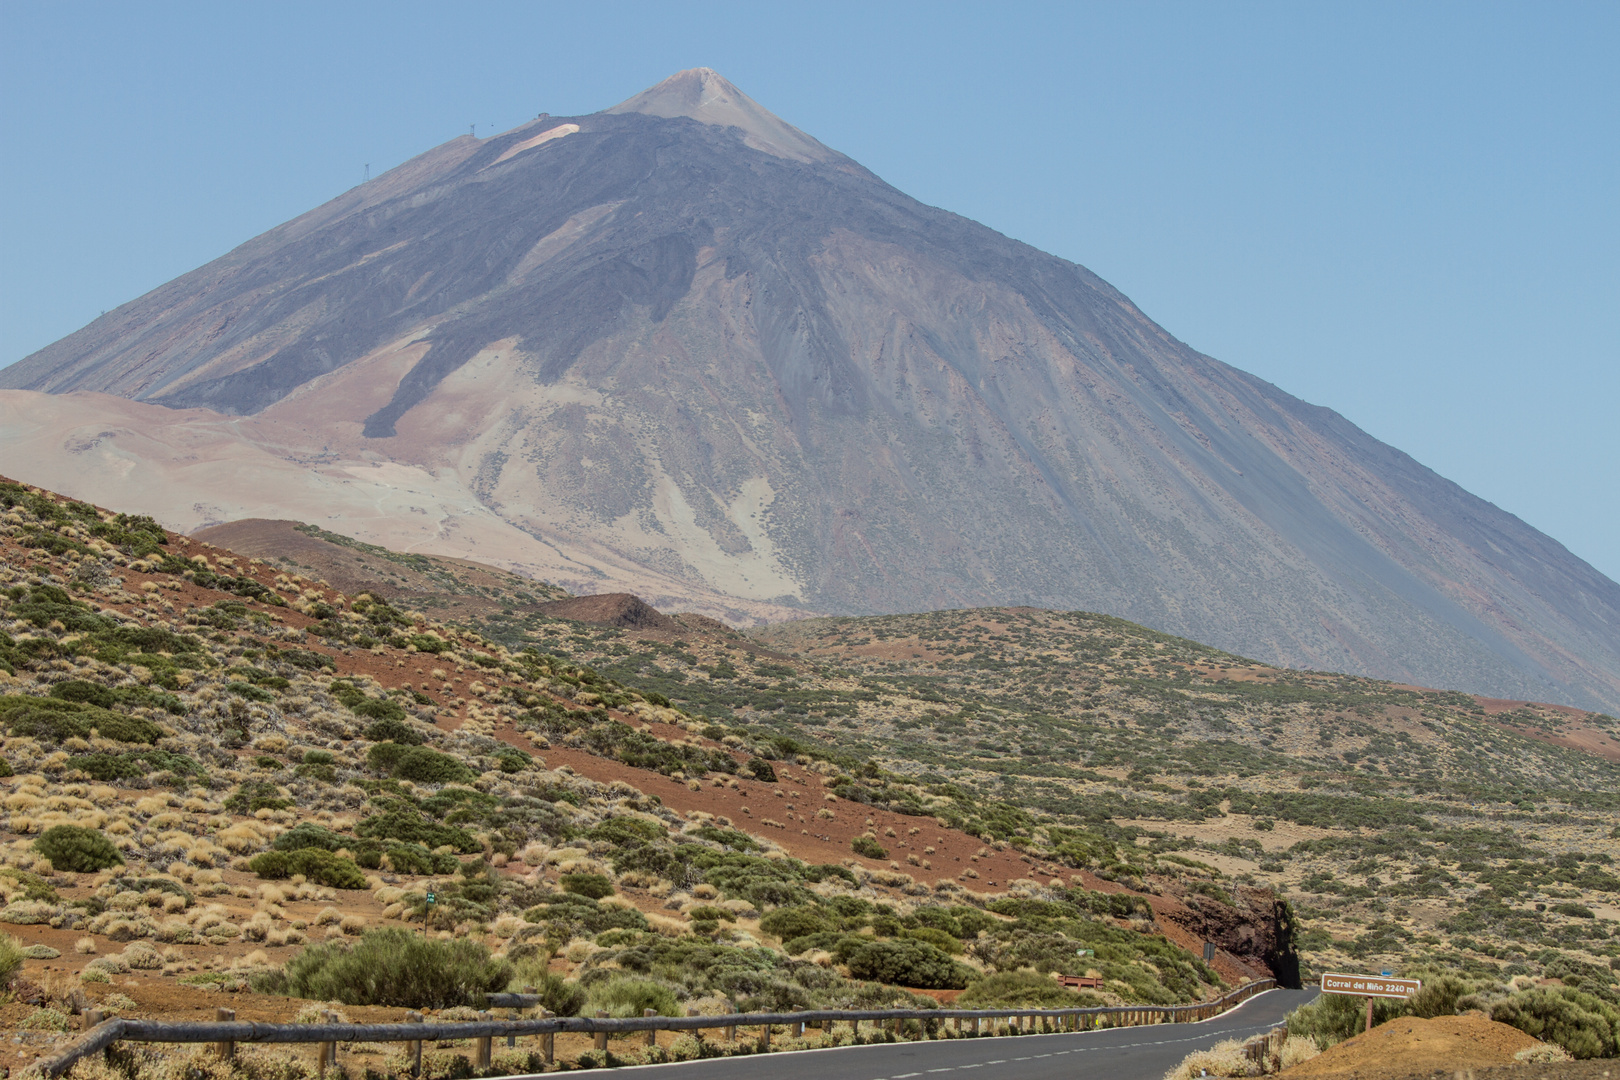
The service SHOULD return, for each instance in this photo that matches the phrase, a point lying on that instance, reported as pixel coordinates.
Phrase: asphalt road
(1133, 1053)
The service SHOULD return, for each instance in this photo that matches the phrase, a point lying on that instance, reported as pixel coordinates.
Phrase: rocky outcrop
(1252, 925)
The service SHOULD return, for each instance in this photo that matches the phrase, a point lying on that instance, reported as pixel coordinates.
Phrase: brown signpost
(1369, 987)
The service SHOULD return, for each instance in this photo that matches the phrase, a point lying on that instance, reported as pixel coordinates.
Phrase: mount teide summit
(682, 348)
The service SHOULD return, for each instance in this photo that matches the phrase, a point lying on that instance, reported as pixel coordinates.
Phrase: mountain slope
(680, 348)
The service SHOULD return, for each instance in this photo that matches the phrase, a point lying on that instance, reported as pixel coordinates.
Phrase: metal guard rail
(230, 1032)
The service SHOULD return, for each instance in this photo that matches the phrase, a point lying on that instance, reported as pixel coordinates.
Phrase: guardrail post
(826, 1028)
(765, 1037)
(548, 1041)
(652, 1033)
(511, 1040)
(731, 1032)
(414, 1047)
(484, 1047)
(225, 1048)
(601, 1036)
(328, 1052)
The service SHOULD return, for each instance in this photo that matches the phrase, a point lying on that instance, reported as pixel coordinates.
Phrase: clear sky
(1407, 212)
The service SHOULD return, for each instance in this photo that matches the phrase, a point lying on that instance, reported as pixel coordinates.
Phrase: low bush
(105, 697)
(559, 996)
(566, 915)
(796, 922)
(252, 796)
(1017, 989)
(512, 761)
(904, 962)
(307, 834)
(625, 996)
(593, 886)
(77, 850)
(758, 769)
(1584, 1025)
(399, 819)
(418, 764)
(868, 846)
(108, 767)
(317, 864)
(394, 730)
(55, 720)
(1332, 1018)
(395, 967)
(939, 939)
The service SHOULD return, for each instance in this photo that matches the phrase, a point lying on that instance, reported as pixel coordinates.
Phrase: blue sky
(1407, 212)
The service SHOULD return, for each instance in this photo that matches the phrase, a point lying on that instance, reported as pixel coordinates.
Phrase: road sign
(1369, 985)
(431, 898)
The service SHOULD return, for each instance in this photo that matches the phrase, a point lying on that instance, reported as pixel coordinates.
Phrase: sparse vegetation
(225, 732)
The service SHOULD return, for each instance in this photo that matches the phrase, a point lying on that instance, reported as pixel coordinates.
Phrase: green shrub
(252, 796)
(903, 962)
(1332, 1018)
(249, 691)
(712, 914)
(868, 846)
(567, 915)
(109, 767)
(936, 918)
(376, 709)
(939, 939)
(593, 886)
(417, 860)
(759, 769)
(625, 996)
(1438, 996)
(394, 730)
(317, 864)
(418, 764)
(560, 996)
(1017, 989)
(400, 820)
(76, 850)
(54, 720)
(1580, 1023)
(512, 760)
(397, 968)
(795, 922)
(307, 834)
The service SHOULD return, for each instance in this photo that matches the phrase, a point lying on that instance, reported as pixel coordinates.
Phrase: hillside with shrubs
(226, 781)
(225, 775)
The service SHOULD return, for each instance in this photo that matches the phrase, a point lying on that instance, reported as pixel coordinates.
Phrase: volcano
(681, 348)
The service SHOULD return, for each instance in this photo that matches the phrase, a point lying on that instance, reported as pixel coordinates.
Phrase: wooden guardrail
(226, 1032)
